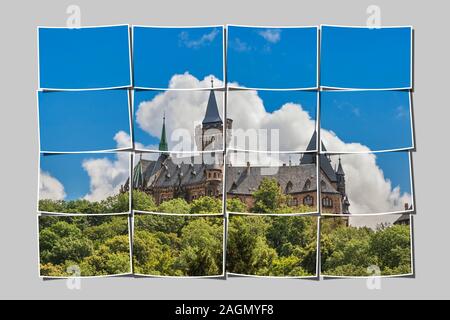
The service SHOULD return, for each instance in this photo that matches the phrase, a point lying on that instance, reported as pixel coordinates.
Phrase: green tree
(269, 197)
(206, 205)
(143, 202)
(176, 205)
(236, 205)
(392, 246)
(246, 242)
(63, 241)
(201, 247)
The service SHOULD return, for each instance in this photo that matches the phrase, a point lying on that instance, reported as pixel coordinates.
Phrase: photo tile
(84, 246)
(180, 121)
(84, 121)
(367, 184)
(84, 183)
(178, 57)
(366, 121)
(275, 121)
(84, 58)
(366, 246)
(271, 184)
(366, 58)
(268, 246)
(178, 246)
(178, 183)
(272, 57)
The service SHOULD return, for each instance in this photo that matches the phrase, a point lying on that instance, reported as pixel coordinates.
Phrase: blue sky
(67, 168)
(274, 100)
(396, 167)
(363, 58)
(82, 121)
(272, 58)
(85, 58)
(159, 53)
(380, 120)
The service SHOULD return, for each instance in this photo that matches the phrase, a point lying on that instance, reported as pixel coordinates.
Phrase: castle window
(295, 202)
(327, 202)
(308, 201)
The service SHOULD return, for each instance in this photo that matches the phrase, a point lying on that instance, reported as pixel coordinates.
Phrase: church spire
(212, 110)
(340, 170)
(163, 141)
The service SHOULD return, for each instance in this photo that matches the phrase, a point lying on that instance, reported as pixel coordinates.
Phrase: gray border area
(18, 238)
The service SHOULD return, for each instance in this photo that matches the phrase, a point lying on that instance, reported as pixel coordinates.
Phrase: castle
(167, 178)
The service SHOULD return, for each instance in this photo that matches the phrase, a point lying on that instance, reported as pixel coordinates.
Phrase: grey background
(19, 160)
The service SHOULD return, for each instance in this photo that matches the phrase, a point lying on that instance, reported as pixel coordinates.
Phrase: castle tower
(209, 135)
(163, 146)
(340, 175)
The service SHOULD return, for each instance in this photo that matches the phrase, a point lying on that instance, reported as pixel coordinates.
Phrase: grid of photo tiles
(220, 151)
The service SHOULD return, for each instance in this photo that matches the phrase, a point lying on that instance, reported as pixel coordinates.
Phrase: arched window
(308, 201)
(327, 202)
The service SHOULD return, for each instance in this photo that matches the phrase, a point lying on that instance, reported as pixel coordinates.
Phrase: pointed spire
(310, 158)
(163, 141)
(340, 170)
(212, 111)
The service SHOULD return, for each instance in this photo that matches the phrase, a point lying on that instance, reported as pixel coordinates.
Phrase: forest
(95, 245)
(349, 251)
(282, 246)
(187, 245)
(178, 245)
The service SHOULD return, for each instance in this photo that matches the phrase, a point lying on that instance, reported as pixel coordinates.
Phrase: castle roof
(340, 170)
(325, 163)
(246, 180)
(212, 111)
(164, 172)
(404, 218)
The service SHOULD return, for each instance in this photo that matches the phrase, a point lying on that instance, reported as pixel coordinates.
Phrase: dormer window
(307, 185)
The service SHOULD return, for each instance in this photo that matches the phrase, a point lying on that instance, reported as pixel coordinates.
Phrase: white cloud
(368, 189)
(184, 110)
(200, 42)
(50, 187)
(271, 35)
(239, 45)
(293, 125)
(106, 176)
